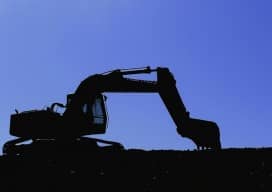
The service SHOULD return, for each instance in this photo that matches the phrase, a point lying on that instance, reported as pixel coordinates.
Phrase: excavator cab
(93, 116)
(97, 114)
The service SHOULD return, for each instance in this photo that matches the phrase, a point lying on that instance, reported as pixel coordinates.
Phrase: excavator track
(19, 147)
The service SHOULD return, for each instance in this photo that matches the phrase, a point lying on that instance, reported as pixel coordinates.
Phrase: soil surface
(246, 169)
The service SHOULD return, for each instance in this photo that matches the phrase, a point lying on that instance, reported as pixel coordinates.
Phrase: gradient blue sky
(218, 50)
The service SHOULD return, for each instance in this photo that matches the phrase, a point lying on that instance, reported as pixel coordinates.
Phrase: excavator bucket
(205, 134)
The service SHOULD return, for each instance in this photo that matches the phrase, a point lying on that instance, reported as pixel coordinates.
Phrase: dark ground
(138, 170)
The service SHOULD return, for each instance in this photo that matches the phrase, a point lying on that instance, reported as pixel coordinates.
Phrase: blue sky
(219, 52)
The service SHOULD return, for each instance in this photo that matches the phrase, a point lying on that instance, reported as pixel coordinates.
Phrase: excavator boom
(203, 133)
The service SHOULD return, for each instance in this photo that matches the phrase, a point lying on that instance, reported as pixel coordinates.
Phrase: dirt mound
(138, 170)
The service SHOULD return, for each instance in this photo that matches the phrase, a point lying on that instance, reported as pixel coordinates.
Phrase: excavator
(85, 113)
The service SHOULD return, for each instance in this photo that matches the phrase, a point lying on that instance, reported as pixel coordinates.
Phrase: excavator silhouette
(85, 113)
